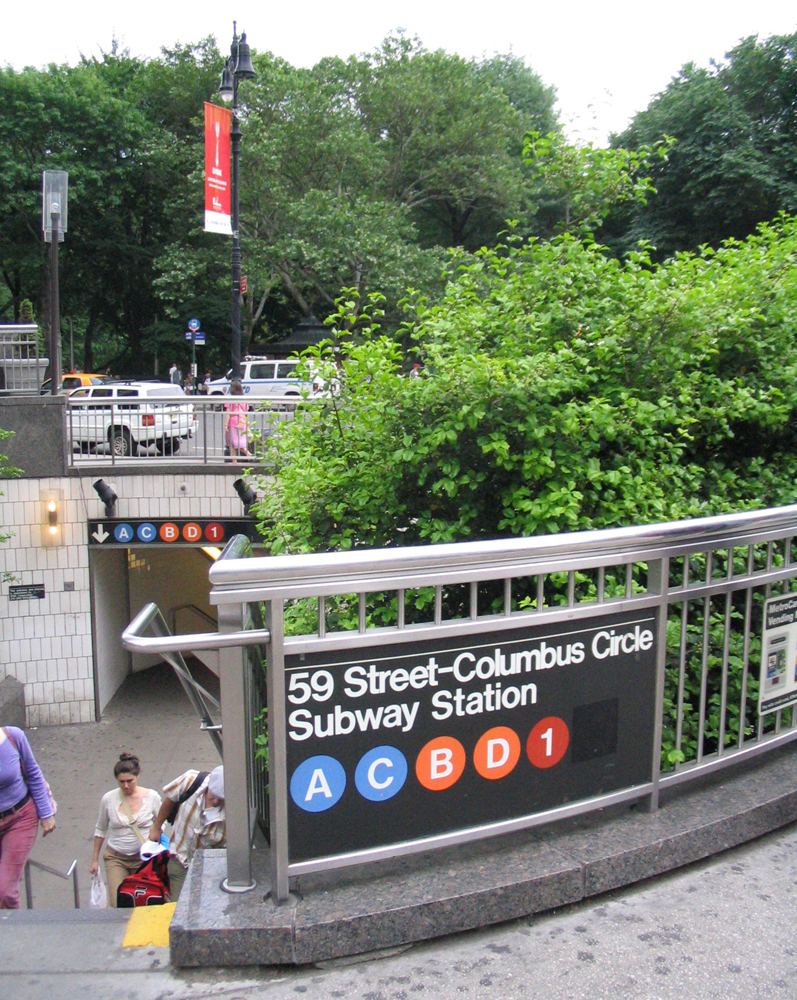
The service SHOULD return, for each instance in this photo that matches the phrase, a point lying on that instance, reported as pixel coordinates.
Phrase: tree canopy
(358, 173)
(734, 162)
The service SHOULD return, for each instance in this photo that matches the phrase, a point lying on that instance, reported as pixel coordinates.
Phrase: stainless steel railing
(705, 581)
(70, 873)
(142, 431)
(161, 642)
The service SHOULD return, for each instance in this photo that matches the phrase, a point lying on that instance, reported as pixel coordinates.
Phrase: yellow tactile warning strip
(148, 926)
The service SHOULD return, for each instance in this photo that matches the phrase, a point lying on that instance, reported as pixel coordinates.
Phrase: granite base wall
(397, 902)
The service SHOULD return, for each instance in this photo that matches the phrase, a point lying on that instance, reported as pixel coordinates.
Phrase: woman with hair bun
(126, 817)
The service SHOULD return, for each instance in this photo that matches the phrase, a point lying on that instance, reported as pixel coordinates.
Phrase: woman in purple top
(22, 806)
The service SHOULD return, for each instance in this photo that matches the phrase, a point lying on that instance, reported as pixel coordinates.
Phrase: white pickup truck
(125, 416)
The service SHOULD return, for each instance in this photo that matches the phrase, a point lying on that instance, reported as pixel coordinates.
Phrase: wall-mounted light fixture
(108, 497)
(246, 493)
(52, 502)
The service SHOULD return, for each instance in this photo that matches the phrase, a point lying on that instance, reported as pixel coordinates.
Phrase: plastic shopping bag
(99, 894)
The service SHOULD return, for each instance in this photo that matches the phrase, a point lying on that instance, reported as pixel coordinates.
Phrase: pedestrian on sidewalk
(236, 424)
(126, 817)
(194, 805)
(24, 803)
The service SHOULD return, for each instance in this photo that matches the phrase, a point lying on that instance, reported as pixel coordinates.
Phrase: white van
(263, 377)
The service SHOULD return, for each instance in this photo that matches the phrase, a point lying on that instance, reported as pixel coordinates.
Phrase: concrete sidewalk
(149, 716)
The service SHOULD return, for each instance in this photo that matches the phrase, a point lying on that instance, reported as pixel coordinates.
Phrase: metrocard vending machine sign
(395, 743)
(778, 682)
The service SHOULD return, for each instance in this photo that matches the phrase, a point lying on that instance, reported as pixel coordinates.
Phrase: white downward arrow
(101, 534)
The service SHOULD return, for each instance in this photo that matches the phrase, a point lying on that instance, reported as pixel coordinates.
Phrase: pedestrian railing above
(147, 431)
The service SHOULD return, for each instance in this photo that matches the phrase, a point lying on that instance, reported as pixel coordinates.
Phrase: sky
(606, 58)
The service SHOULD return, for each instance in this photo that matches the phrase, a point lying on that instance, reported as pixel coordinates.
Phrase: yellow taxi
(75, 380)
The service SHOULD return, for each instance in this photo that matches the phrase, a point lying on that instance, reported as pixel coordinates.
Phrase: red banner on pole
(218, 201)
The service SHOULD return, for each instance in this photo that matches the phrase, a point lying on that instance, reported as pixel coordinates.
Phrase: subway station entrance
(133, 562)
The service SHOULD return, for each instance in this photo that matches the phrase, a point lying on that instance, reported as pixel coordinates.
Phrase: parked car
(264, 377)
(75, 380)
(126, 416)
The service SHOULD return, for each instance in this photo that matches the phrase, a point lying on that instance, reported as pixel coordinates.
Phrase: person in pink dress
(236, 424)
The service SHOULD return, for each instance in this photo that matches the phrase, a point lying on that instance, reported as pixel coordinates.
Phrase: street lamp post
(238, 67)
(55, 188)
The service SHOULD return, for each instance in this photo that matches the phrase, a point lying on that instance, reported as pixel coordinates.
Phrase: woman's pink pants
(17, 837)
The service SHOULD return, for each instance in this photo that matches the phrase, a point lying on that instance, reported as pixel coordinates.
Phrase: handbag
(24, 770)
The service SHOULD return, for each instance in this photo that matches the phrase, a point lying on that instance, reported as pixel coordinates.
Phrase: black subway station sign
(387, 744)
(116, 533)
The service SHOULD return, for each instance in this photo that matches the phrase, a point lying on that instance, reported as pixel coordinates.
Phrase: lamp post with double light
(238, 67)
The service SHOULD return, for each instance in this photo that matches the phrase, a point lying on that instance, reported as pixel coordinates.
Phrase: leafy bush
(561, 390)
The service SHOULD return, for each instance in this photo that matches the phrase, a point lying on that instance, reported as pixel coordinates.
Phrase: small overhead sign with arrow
(100, 534)
(161, 531)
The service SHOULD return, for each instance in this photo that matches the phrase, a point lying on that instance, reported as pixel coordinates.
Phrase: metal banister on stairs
(71, 872)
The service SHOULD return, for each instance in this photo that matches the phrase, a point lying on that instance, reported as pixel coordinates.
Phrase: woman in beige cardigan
(125, 819)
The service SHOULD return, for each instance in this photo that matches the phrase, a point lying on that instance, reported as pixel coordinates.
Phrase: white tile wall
(46, 644)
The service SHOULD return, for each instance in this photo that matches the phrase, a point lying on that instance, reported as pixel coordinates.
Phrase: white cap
(216, 782)
(150, 848)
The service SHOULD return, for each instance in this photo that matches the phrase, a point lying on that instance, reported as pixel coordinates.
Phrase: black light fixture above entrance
(108, 497)
(246, 493)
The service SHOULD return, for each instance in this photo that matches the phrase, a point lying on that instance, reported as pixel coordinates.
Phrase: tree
(450, 132)
(733, 164)
(314, 210)
(144, 189)
(580, 184)
(119, 126)
(358, 172)
(354, 174)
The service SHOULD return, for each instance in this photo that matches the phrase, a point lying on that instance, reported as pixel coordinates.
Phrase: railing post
(658, 583)
(277, 752)
(235, 728)
(75, 885)
(28, 887)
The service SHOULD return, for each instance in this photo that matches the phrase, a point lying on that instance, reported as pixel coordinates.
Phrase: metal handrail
(171, 648)
(71, 872)
(196, 439)
(197, 611)
(363, 570)
(133, 637)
